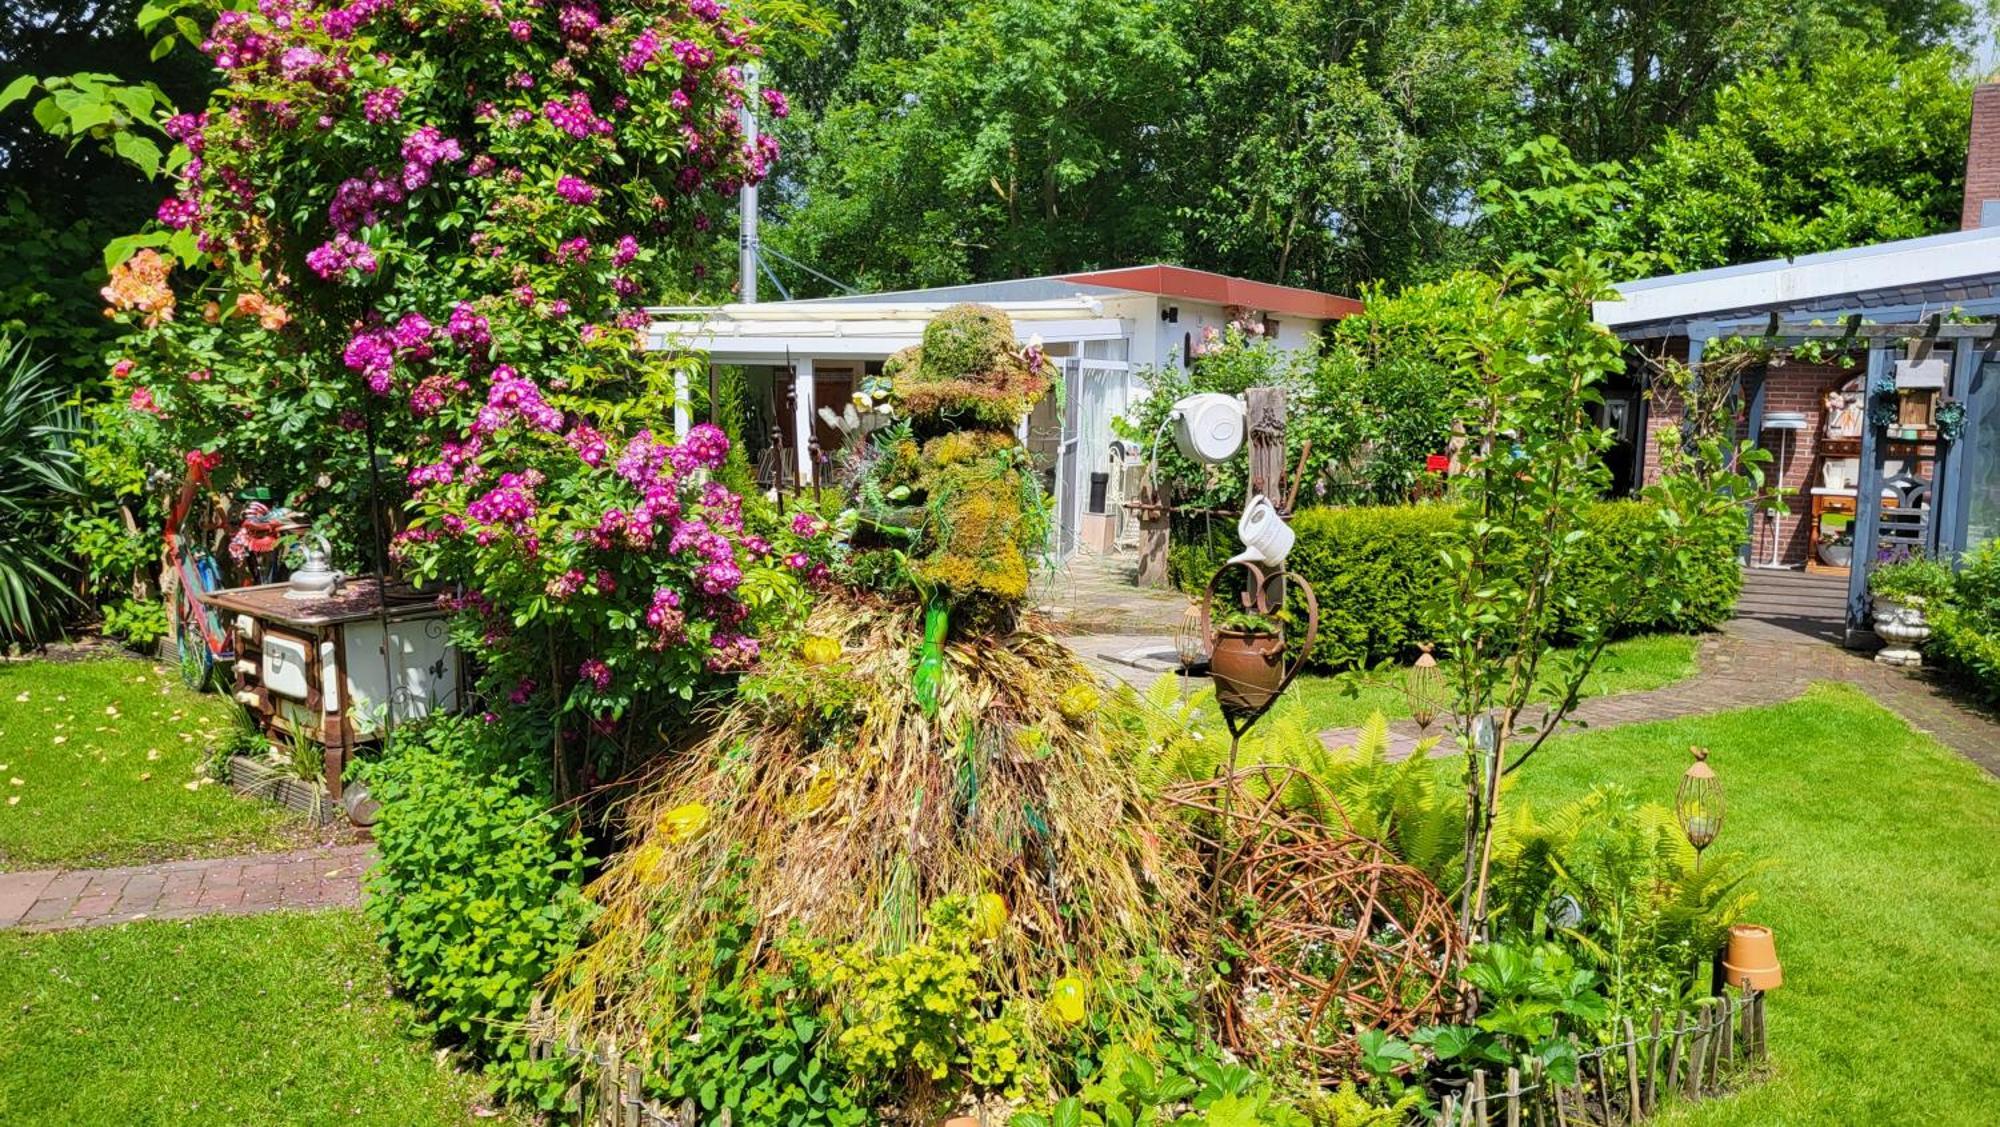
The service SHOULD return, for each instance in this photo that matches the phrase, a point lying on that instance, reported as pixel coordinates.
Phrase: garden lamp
(1698, 802)
(1423, 687)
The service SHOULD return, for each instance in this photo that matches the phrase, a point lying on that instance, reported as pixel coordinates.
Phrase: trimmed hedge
(1375, 570)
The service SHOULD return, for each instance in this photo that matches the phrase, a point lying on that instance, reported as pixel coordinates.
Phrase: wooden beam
(1852, 331)
(1929, 337)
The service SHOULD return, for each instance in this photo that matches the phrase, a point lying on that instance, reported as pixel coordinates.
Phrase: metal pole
(746, 197)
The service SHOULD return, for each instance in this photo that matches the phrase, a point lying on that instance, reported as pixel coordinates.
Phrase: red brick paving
(1747, 669)
(49, 900)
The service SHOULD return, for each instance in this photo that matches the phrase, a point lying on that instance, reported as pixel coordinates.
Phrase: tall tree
(1326, 149)
(1610, 79)
(1011, 137)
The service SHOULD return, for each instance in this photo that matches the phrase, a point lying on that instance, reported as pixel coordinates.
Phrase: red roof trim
(1203, 285)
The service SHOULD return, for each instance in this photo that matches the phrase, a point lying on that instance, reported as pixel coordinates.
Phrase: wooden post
(1757, 1004)
(1652, 1095)
(1513, 1097)
(635, 1094)
(1538, 1079)
(1699, 1052)
(1476, 1107)
(1448, 1114)
(1266, 411)
(1632, 1109)
(1155, 523)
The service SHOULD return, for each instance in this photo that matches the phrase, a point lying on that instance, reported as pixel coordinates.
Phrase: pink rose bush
(461, 211)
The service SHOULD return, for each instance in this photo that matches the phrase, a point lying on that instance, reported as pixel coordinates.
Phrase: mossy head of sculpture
(968, 374)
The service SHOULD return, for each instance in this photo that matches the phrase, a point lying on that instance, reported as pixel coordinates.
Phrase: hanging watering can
(1267, 539)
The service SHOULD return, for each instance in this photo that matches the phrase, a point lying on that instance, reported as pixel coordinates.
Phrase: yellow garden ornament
(1066, 999)
(818, 650)
(684, 823)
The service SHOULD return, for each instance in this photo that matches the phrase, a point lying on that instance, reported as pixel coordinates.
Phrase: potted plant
(1901, 589)
(1836, 542)
(1248, 660)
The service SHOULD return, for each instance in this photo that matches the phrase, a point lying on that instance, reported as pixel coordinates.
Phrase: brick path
(1747, 668)
(53, 899)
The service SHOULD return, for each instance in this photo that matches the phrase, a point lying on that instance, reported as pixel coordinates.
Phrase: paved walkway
(1746, 668)
(54, 899)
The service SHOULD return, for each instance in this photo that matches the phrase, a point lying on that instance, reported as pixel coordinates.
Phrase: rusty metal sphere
(1332, 933)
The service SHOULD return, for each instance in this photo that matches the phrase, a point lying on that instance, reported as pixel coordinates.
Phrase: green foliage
(1856, 145)
(39, 481)
(760, 1052)
(1618, 883)
(123, 117)
(475, 891)
(916, 1014)
(1398, 381)
(1965, 627)
(136, 622)
(1230, 362)
(1377, 582)
(1917, 580)
(1132, 1090)
(1849, 147)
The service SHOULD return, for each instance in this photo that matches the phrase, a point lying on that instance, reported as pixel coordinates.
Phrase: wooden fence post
(1513, 1096)
(1475, 1108)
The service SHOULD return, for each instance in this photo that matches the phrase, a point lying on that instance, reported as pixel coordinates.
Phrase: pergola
(1910, 299)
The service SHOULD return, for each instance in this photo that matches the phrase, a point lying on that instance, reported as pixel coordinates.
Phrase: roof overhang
(781, 332)
(1222, 289)
(1816, 281)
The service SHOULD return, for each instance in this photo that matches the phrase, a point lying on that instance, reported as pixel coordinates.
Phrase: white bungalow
(1101, 327)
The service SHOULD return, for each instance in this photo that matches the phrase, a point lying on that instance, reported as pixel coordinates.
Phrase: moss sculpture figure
(911, 829)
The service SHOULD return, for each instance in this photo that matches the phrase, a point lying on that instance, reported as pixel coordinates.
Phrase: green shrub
(1917, 578)
(1965, 627)
(1375, 570)
(476, 892)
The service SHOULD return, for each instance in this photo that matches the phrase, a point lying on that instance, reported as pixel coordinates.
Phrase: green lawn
(1649, 661)
(281, 1018)
(95, 761)
(1883, 888)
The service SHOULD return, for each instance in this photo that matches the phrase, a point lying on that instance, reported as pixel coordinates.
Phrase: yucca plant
(39, 476)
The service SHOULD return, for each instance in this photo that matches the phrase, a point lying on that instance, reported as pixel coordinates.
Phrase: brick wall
(1982, 154)
(1795, 387)
(1790, 387)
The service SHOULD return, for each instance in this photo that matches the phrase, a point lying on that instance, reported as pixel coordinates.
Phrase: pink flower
(142, 400)
(595, 672)
(381, 106)
(576, 191)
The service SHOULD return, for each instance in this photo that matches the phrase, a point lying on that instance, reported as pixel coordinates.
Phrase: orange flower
(269, 313)
(140, 283)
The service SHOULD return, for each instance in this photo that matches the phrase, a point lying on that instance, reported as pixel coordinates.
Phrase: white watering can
(1267, 539)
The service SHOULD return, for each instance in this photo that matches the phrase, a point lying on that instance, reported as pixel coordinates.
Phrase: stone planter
(1836, 555)
(1902, 628)
(258, 779)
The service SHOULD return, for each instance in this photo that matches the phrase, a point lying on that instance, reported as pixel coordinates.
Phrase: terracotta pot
(1752, 955)
(1248, 668)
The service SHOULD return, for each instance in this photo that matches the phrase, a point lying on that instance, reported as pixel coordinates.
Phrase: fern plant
(1406, 804)
(39, 480)
(1618, 880)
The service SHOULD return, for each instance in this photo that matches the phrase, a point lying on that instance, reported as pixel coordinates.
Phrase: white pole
(746, 197)
(802, 416)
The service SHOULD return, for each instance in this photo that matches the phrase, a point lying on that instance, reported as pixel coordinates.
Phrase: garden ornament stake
(1425, 688)
(1698, 803)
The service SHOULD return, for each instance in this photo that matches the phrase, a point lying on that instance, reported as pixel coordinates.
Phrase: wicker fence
(1692, 1054)
(1689, 1054)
